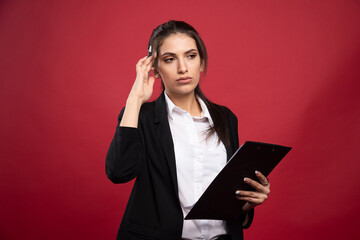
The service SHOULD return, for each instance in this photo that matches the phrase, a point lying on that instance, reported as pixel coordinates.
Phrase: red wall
(288, 69)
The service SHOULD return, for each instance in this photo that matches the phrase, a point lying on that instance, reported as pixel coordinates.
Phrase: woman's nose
(182, 68)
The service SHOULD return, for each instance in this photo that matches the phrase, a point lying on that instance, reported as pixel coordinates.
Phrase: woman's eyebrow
(173, 54)
(191, 50)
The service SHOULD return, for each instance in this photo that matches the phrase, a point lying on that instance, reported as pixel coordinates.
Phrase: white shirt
(198, 161)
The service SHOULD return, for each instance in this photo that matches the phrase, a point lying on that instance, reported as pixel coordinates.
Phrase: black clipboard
(219, 200)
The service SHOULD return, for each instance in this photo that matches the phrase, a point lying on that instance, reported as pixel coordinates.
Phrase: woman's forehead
(177, 43)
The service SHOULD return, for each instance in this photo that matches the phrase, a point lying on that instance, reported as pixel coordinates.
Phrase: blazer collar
(160, 109)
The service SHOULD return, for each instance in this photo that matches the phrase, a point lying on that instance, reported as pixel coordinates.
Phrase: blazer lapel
(233, 137)
(229, 152)
(164, 134)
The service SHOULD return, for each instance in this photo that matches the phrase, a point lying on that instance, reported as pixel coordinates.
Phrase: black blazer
(147, 154)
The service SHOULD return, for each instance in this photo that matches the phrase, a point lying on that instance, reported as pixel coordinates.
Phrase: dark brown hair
(159, 34)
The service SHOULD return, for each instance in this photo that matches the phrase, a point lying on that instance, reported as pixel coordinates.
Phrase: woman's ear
(155, 73)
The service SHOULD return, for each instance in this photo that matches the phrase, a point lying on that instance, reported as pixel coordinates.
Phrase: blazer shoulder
(147, 111)
(147, 107)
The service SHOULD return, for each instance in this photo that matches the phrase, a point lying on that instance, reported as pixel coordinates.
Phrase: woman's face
(179, 64)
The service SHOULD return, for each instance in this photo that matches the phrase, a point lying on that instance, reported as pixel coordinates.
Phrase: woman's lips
(184, 80)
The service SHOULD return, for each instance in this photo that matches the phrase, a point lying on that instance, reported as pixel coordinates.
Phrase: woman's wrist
(134, 102)
(131, 113)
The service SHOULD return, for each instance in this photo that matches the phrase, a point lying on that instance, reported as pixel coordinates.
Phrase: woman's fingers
(263, 180)
(252, 201)
(143, 67)
(251, 194)
(151, 82)
(255, 198)
(146, 66)
(257, 186)
(139, 64)
(264, 186)
(149, 65)
(143, 86)
(151, 62)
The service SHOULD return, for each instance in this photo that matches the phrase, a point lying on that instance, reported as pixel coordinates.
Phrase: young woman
(176, 145)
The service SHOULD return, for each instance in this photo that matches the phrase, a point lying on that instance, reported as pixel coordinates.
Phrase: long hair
(159, 34)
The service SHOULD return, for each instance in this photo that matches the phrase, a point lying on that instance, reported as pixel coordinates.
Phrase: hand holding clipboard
(218, 200)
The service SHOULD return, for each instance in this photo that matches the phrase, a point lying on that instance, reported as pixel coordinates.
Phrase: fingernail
(237, 192)
(256, 172)
(245, 179)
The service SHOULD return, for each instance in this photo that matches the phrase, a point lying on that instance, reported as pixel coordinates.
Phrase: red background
(288, 69)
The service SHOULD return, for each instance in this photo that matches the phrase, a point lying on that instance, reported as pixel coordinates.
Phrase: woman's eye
(192, 56)
(169, 59)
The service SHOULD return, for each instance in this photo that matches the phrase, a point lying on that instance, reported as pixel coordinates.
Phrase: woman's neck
(186, 102)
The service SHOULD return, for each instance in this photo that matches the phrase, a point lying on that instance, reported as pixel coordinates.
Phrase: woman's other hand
(257, 197)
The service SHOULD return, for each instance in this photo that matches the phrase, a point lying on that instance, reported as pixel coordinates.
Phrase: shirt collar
(204, 110)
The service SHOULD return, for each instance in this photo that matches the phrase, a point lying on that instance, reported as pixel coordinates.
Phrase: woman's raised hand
(140, 92)
(143, 85)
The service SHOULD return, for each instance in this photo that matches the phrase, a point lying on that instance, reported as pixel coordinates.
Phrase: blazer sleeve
(124, 157)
